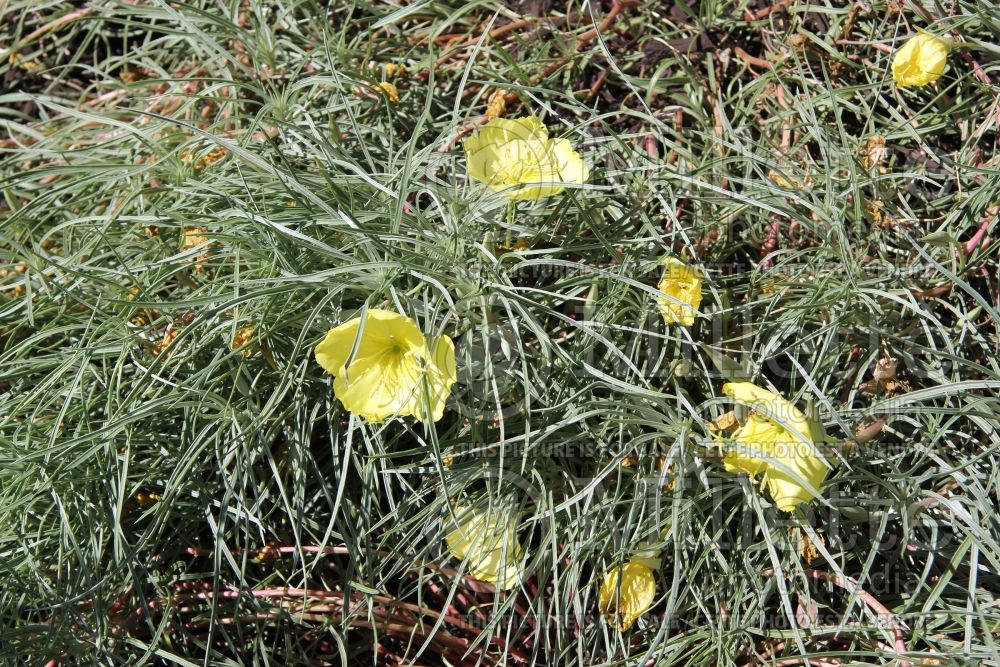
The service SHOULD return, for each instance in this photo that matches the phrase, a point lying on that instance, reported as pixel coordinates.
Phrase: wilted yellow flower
(212, 156)
(488, 545)
(777, 441)
(394, 371)
(390, 91)
(392, 69)
(169, 335)
(623, 603)
(192, 237)
(19, 60)
(516, 157)
(921, 60)
(683, 284)
(241, 338)
(497, 106)
(873, 152)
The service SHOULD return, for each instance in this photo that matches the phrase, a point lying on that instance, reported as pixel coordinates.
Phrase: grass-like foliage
(194, 193)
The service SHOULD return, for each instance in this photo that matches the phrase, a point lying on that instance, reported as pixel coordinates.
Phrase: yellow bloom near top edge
(921, 60)
(515, 156)
(778, 443)
(627, 592)
(394, 371)
(489, 545)
(682, 283)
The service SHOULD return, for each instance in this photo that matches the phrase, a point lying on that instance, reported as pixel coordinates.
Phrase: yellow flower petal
(776, 442)
(743, 457)
(682, 283)
(920, 61)
(569, 167)
(516, 157)
(440, 375)
(504, 130)
(622, 604)
(390, 369)
(772, 405)
(491, 549)
(481, 159)
(787, 490)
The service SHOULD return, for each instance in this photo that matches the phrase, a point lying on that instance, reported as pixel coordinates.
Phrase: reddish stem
(980, 236)
(852, 586)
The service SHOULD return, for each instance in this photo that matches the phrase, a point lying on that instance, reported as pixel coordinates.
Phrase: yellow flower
(622, 604)
(920, 61)
(394, 371)
(683, 284)
(777, 441)
(491, 548)
(516, 157)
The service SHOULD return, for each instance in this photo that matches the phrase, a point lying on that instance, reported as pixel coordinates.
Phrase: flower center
(522, 171)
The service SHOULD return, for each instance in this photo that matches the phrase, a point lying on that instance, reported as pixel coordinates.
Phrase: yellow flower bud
(394, 70)
(682, 284)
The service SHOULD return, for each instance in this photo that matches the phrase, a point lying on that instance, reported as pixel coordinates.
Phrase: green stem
(511, 217)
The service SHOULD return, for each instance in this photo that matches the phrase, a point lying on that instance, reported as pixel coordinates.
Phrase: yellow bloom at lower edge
(393, 371)
(682, 284)
(777, 442)
(627, 592)
(920, 61)
(490, 547)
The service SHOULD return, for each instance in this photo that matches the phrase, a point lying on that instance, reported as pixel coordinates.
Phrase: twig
(980, 236)
(603, 26)
(932, 293)
(752, 60)
(494, 34)
(786, 129)
(467, 128)
(868, 433)
(779, 6)
(511, 97)
(50, 26)
(594, 89)
(852, 586)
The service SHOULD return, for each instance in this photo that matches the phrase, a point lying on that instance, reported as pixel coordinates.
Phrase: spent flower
(626, 593)
(489, 545)
(778, 443)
